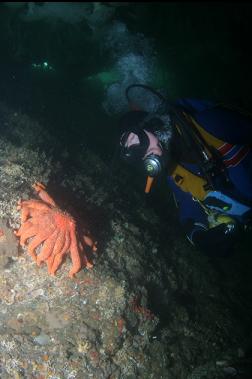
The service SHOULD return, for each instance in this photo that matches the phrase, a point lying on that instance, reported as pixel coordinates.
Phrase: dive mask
(135, 152)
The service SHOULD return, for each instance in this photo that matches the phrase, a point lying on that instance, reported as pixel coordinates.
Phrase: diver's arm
(218, 241)
(227, 125)
(231, 125)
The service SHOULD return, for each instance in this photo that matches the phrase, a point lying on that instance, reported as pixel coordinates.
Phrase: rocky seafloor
(152, 307)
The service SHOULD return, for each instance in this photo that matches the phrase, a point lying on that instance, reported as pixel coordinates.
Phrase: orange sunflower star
(53, 229)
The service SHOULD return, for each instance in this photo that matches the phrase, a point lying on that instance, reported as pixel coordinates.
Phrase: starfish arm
(36, 214)
(44, 220)
(59, 257)
(49, 262)
(75, 254)
(89, 242)
(59, 243)
(86, 262)
(47, 248)
(25, 212)
(37, 240)
(23, 228)
(40, 189)
(54, 265)
(34, 204)
(28, 233)
(35, 221)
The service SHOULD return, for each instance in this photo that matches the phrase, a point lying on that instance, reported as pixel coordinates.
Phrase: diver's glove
(217, 241)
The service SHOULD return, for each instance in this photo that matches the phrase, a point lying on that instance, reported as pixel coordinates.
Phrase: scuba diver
(204, 149)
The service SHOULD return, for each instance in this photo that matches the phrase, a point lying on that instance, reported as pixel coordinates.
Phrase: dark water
(203, 51)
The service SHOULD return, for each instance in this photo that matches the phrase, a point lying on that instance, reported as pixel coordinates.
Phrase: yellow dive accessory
(216, 218)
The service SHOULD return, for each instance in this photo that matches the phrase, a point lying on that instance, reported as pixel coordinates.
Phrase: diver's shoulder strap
(206, 147)
(209, 138)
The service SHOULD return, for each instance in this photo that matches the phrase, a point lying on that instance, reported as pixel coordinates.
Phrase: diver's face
(144, 151)
(152, 145)
(132, 140)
